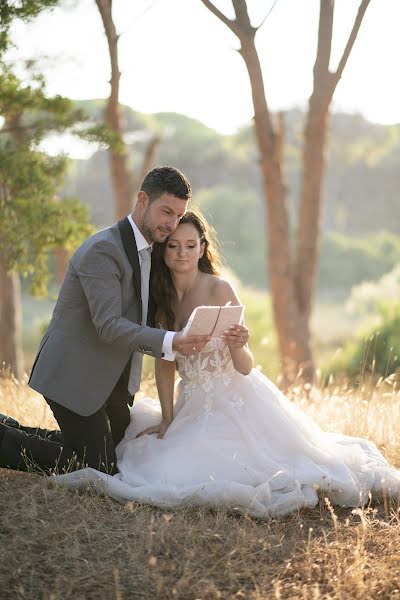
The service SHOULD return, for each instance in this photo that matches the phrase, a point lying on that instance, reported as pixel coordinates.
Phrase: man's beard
(154, 234)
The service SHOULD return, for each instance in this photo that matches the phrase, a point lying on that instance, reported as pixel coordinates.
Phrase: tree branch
(349, 46)
(105, 10)
(148, 160)
(228, 22)
(243, 20)
(324, 46)
(267, 15)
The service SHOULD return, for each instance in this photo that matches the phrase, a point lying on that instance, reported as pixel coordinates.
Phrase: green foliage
(259, 320)
(377, 349)
(31, 114)
(19, 9)
(367, 298)
(238, 218)
(207, 157)
(361, 218)
(347, 261)
(40, 112)
(237, 215)
(374, 352)
(100, 132)
(33, 219)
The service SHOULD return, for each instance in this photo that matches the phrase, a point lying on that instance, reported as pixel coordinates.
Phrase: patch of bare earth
(58, 545)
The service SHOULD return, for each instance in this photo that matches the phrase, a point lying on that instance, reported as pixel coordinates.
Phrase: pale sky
(177, 56)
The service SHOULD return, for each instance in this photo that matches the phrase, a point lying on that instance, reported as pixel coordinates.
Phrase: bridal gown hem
(237, 442)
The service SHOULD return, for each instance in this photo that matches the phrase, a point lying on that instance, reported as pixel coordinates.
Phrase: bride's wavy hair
(163, 290)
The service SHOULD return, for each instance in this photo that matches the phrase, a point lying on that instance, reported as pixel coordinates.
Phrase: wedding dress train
(236, 441)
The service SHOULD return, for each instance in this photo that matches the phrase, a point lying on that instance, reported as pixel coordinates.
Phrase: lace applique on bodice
(214, 361)
(206, 369)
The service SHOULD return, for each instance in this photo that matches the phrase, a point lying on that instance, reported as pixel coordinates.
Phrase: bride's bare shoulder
(222, 291)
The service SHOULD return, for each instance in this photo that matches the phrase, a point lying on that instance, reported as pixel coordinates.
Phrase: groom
(88, 366)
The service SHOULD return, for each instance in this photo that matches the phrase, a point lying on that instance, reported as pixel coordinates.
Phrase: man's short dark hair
(166, 180)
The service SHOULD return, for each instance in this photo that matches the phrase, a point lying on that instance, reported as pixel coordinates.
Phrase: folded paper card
(213, 320)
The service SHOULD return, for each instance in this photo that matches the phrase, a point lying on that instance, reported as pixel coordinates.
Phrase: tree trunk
(313, 163)
(292, 328)
(120, 174)
(11, 356)
(148, 161)
(292, 279)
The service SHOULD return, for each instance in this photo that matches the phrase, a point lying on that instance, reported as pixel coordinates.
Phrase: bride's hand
(236, 336)
(160, 429)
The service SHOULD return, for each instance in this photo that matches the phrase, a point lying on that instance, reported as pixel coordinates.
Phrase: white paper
(229, 315)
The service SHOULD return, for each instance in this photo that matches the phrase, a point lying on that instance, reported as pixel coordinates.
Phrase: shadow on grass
(59, 544)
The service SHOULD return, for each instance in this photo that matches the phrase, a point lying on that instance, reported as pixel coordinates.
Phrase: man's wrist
(168, 353)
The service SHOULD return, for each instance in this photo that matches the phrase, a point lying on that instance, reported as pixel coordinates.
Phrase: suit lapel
(129, 243)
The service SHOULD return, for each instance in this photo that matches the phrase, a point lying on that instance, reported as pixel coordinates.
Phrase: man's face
(161, 217)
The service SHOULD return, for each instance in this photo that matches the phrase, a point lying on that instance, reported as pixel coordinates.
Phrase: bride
(230, 437)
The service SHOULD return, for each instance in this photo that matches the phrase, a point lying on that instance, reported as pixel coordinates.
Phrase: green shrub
(347, 261)
(375, 352)
(263, 340)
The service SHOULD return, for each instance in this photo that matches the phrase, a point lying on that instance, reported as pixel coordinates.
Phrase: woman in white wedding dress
(230, 438)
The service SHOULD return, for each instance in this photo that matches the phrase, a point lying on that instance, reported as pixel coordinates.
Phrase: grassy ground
(58, 545)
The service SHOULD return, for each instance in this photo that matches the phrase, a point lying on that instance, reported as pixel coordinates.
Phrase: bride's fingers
(236, 335)
(154, 429)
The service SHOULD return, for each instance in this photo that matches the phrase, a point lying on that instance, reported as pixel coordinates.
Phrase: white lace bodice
(206, 372)
(214, 361)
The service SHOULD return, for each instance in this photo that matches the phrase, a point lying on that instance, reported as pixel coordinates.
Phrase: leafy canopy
(19, 9)
(33, 219)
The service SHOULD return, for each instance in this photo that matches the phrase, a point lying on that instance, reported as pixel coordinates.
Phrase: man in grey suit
(88, 366)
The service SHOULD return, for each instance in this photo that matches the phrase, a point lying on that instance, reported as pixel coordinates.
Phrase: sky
(177, 56)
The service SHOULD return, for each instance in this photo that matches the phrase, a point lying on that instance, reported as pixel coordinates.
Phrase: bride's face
(183, 249)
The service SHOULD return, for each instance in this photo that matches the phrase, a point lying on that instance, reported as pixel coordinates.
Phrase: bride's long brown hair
(163, 290)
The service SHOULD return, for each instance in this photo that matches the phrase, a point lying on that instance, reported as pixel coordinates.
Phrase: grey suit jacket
(95, 324)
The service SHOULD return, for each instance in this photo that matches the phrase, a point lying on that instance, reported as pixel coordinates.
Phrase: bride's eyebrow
(175, 240)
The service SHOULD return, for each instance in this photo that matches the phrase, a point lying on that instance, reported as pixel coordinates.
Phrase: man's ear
(142, 199)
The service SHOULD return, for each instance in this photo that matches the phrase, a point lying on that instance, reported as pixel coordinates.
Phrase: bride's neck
(184, 282)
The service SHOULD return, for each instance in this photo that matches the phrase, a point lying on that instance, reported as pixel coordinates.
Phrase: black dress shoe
(22, 451)
(9, 421)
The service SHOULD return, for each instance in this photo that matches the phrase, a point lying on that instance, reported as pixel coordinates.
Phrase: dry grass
(57, 545)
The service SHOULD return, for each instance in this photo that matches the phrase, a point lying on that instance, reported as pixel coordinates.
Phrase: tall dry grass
(60, 545)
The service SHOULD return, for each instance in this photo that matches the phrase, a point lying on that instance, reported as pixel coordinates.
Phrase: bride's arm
(238, 335)
(242, 358)
(165, 380)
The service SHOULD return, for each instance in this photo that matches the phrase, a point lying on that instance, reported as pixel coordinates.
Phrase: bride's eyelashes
(174, 246)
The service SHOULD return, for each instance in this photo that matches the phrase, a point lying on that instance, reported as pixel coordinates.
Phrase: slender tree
(292, 271)
(120, 174)
(124, 183)
(10, 305)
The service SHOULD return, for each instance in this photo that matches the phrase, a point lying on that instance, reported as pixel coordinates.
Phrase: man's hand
(189, 344)
(160, 429)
